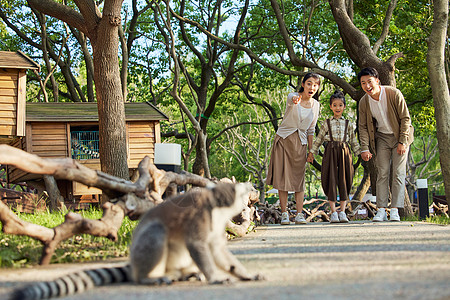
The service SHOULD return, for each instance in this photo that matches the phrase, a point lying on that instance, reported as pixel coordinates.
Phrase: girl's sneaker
(343, 217)
(334, 218)
(285, 218)
(300, 219)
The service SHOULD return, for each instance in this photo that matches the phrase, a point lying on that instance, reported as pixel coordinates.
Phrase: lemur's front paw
(192, 276)
(253, 278)
(220, 281)
(156, 281)
(258, 277)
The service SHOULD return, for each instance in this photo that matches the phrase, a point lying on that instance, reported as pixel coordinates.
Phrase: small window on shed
(85, 142)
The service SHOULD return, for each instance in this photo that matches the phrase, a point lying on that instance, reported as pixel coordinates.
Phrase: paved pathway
(359, 260)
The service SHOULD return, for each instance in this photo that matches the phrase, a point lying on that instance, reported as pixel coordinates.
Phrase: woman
(293, 140)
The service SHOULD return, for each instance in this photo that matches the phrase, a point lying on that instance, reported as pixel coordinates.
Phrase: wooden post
(21, 102)
(157, 132)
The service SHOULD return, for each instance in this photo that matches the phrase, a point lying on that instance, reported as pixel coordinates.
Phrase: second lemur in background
(337, 162)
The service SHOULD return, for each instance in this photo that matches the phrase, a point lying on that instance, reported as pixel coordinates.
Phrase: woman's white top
(298, 118)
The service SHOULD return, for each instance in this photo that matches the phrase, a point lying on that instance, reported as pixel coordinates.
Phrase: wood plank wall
(8, 101)
(49, 140)
(141, 142)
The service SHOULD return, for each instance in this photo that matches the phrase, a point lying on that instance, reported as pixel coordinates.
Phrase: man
(385, 130)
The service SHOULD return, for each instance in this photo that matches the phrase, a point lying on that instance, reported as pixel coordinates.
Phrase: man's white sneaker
(285, 218)
(343, 217)
(394, 215)
(334, 218)
(300, 219)
(380, 216)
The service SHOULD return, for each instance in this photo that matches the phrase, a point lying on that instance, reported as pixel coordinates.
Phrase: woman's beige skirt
(287, 164)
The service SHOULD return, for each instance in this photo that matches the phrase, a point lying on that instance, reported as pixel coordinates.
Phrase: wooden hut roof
(17, 60)
(87, 112)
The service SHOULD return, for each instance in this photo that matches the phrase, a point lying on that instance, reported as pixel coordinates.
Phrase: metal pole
(422, 192)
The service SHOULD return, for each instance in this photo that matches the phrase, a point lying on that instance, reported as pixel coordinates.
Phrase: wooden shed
(58, 130)
(13, 68)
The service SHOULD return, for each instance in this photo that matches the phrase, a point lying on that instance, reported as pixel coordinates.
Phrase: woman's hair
(367, 71)
(337, 95)
(306, 77)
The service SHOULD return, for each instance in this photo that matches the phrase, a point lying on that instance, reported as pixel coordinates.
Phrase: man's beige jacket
(398, 116)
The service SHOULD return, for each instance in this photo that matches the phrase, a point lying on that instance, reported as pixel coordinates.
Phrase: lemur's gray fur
(180, 238)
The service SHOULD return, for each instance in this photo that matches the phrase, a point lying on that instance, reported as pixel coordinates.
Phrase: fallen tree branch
(73, 224)
(240, 224)
(127, 198)
(65, 168)
(13, 225)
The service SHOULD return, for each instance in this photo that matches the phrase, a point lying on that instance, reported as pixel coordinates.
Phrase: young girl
(337, 163)
(294, 136)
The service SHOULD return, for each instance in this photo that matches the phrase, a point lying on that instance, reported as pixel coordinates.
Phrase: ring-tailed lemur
(84, 149)
(178, 239)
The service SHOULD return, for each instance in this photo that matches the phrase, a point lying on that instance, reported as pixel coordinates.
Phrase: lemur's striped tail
(72, 283)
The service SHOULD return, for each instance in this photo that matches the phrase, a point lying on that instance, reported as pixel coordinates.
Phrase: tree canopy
(207, 64)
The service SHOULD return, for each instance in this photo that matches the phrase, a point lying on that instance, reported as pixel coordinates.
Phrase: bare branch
(240, 124)
(63, 12)
(386, 22)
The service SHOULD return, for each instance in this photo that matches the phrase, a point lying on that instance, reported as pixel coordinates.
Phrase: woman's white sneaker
(343, 217)
(300, 219)
(285, 218)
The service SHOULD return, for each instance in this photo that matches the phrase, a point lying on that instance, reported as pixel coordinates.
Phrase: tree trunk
(439, 86)
(102, 30)
(201, 165)
(407, 209)
(68, 79)
(81, 38)
(111, 109)
(363, 186)
(56, 200)
(42, 20)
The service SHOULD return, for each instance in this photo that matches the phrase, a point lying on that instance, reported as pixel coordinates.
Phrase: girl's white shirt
(298, 118)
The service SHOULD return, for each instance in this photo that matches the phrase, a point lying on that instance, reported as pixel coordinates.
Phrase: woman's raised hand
(296, 99)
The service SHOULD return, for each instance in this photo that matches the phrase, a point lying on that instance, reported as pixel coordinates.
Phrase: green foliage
(22, 19)
(408, 32)
(315, 37)
(436, 219)
(423, 120)
(18, 251)
(442, 220)
(424, 162)
(252, 142)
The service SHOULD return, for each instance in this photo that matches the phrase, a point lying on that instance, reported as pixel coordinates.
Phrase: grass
(19, 251)
(441, 219)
